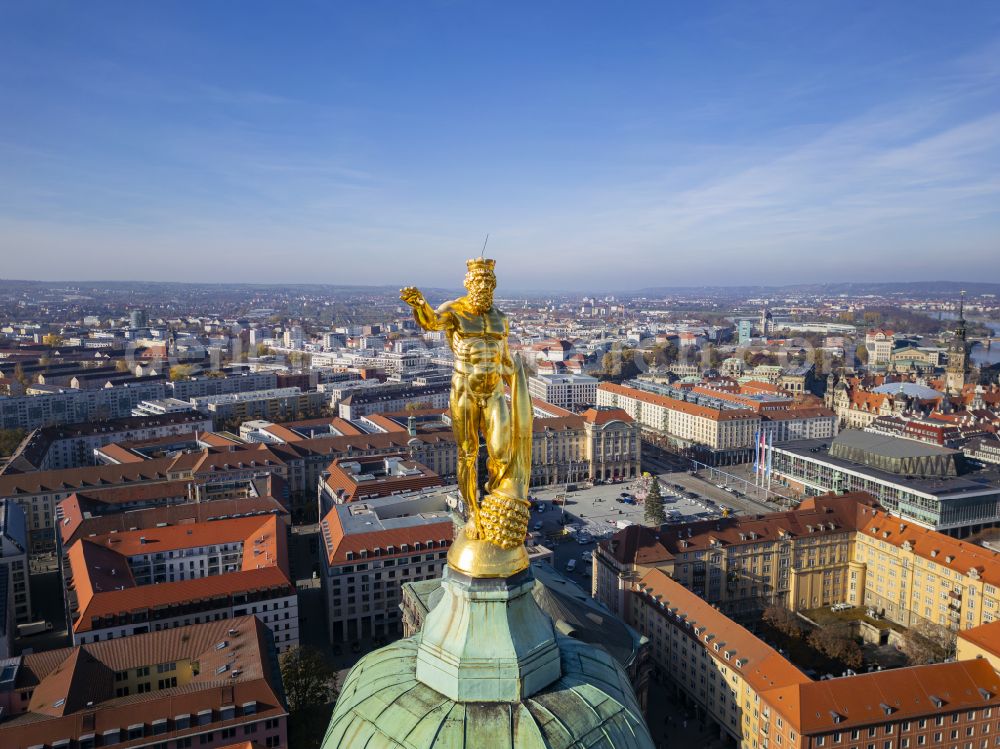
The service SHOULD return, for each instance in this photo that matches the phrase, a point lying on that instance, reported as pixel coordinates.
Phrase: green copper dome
(384, 706)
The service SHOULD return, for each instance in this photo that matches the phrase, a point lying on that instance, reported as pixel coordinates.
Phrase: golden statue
(492, 542)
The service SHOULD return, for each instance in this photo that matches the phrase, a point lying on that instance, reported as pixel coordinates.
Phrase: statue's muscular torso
(478, 342)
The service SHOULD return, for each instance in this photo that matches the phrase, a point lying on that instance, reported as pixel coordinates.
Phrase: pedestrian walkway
(674, 726)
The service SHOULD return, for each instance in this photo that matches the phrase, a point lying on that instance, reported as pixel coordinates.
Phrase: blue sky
(603, 145)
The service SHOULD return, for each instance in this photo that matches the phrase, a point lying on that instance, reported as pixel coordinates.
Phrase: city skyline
(739, 146)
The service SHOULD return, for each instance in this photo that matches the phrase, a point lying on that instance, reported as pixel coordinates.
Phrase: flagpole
(770, 460)
(756, 458)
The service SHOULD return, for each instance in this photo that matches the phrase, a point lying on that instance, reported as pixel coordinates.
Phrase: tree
(836, 642)
(122, 366)
(263, 350)
(52, 340)
(619, 364)
(181, 372)
(20, 376)
(819, 359)
(926, 642)
(654, 515)
(310, 688)
(9, 440)
(862, 353)
(782, 620)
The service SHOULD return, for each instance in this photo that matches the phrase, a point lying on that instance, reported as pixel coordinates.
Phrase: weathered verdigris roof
(383, 706)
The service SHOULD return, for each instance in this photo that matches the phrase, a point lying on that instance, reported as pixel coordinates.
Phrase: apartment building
(723, 667)
(14, 568)
(123, 583)
(832, 549)
(355, 479)
(612, 445)
(760, 700)
(73, 445)
(725, 433)
(38, 492)
(571, 391)
(206, 685)
(788, 425)
(232, 380)
(879, 344)
(800, 559)
(70, 406)
(275, 404)
(80, 519)
(389, 397)
(372, 547)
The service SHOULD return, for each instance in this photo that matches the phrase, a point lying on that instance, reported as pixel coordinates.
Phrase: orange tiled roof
(379, 486)
(948, 552)
(85, 674)
(814, 517)
(606, 415)
(338, 543)
(986, 636)
(38, 482)
(761, 666)
(104, 583)
(896, 694)
(74, 524)
(678, 405)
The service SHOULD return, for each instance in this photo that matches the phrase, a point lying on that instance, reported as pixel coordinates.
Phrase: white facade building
(570, 391)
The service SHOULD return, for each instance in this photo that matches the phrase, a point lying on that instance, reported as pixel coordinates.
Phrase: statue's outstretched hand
(412, 296)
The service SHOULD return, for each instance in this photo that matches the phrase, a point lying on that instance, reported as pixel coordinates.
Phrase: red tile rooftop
(103, 582)
(71, 692)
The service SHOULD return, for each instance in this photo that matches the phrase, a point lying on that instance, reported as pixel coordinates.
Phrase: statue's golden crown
(481, 263)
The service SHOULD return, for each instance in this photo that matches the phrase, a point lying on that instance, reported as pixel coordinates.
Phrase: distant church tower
(958, 355)
(766, 322)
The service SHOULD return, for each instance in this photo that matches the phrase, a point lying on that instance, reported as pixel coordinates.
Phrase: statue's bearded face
(480, 285)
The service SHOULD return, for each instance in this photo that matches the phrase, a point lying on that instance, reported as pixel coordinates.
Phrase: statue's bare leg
(465, 418)
(495, 425)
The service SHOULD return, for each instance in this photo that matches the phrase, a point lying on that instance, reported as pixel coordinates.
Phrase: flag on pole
(770, 458)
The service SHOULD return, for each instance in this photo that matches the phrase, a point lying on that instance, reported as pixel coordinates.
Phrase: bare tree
(835, 641)
(926, 642)
(782, 620)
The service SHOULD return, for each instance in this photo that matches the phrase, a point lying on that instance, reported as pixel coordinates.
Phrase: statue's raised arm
(426, 316)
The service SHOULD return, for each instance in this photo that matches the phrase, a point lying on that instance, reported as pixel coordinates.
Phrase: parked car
(571, 565)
